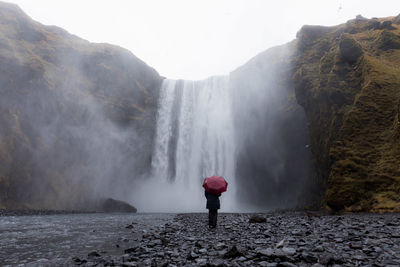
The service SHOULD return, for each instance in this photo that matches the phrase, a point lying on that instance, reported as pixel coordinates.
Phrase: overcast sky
(194, 39)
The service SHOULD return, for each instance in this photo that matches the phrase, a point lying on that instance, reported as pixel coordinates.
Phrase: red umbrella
(215, 184)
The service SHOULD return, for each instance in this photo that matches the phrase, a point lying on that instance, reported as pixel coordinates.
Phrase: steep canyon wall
(76, 118)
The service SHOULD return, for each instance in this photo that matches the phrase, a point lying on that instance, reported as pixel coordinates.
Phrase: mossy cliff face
(76, 118)
(347, 78)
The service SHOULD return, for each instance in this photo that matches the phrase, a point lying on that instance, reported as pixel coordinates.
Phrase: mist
(194, 140)
(92, 121)
(77, 120)
(274, 167)
(246, 127)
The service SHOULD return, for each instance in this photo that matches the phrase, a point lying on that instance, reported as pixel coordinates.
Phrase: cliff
(316, 120)
(73, 114)
(274, 165)
(347, 78)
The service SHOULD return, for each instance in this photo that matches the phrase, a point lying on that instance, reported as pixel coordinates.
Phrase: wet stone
(233, 253)
(203, 251)
(93, 254)
(318, 249)
(355, 245)
(257, 219)
(285, 239)
(286, 264)
(201, 261)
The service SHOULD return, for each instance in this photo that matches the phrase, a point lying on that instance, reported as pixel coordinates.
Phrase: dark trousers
(212, 217)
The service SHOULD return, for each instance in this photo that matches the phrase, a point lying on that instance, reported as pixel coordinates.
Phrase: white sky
(194, 39)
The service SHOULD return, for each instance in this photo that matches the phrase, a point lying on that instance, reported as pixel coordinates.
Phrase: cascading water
(194, 139)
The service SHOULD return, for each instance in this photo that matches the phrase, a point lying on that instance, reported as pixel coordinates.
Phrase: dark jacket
(212, 201)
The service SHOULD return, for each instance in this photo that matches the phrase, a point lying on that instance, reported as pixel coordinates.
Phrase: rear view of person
(214, 186)
(213, 205)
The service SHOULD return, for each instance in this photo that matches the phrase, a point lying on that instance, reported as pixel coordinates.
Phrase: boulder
(388, 40)
(257, 219)
(112, 205)
(93, 254)
(308, 34)
(387, 24)
(350, 49)
(361, 18)
(234, 252)
(373, 24)
(396, 20)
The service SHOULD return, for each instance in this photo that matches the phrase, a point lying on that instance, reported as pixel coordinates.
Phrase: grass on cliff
(353, 110)
(370, 157)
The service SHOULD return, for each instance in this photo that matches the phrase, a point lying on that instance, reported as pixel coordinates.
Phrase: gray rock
(309, 258)
(192, 255)
(387, 24)
(93, 254)
(216, 262)
(280, 243)
(233, 253)
(201, 261)
(203, 251)
(289, 251)
(372, 241)
(286, 264)
(157, 241)
(396, 20)
(257, 219)
(361, 18)
(112, 205)
(318, 249)
(241, 258)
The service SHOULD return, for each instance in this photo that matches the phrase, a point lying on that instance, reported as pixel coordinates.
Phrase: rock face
(274, 167)
(76, 117)
(318, 118)
(347, 79)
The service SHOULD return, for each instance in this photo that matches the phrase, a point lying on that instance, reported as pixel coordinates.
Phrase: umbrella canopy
(215, 184)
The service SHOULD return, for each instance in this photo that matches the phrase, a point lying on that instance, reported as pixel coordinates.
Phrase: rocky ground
(283, 239)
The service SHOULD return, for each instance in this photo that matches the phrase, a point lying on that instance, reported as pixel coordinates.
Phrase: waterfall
(194, 139)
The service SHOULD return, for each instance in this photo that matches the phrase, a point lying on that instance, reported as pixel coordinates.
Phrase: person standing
(214, 186)
(213, 205)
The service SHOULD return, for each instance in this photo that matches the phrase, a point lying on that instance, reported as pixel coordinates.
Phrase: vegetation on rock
(347, 78)
(62, 99)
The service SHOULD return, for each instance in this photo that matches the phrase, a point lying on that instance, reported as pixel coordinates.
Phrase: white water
(194, 139)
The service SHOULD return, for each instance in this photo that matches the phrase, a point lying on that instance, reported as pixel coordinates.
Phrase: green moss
(353, 110)
(388, 40)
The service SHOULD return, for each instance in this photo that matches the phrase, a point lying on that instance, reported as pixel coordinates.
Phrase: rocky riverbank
(282, 239)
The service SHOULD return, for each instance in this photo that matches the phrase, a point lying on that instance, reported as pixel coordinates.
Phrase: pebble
(283, 239)
(318, 249)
